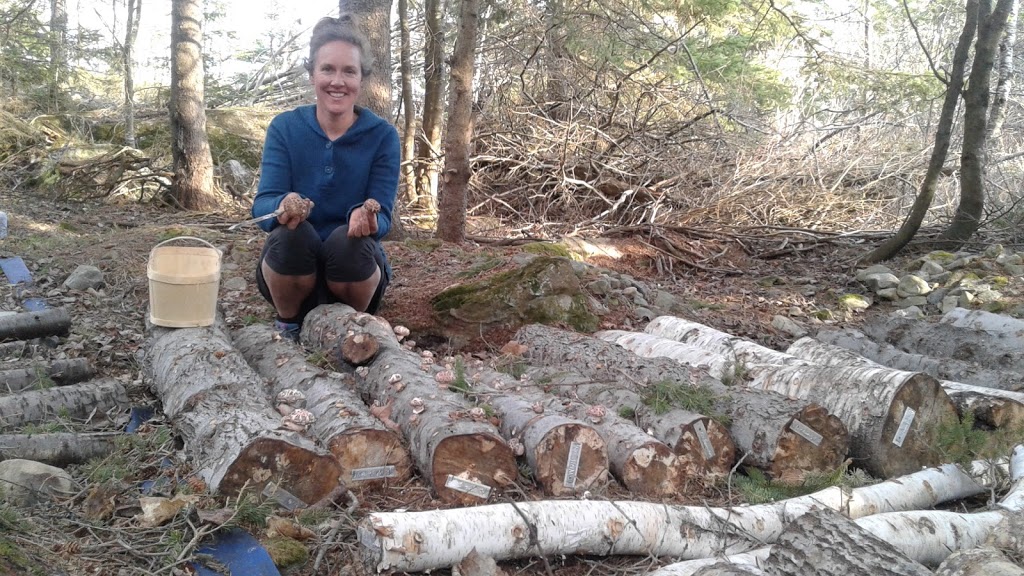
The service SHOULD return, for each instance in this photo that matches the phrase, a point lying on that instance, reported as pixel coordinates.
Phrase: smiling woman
(342, 158)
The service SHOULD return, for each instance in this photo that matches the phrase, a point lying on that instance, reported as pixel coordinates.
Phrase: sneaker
(289, 330)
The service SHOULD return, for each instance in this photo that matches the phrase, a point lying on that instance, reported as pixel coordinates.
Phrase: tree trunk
(945, 368)
(967, 220)
(218, 405)
(893, 417)
(765, 426)
(508, 531)
(192, 184)
(25, 325)
(411, 195)
(76, 401)
(1004, 81)
(127, 49)
(943, 135)
(462, 458)
(984, 561)
(59, 449)
(824, 543)
(995, 408)
(452, 205)
(374, 17)
(428, 148)
(369, 453)
(58, 372)
(58, 51)
(945, 340)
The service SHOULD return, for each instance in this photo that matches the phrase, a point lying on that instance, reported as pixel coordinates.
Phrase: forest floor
(108, 327)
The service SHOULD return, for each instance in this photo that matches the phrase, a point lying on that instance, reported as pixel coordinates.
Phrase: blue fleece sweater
(338, 176)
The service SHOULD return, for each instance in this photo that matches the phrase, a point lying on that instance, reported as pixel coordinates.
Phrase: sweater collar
(365, 119)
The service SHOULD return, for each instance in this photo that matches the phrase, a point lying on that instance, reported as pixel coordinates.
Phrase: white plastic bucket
(183, 283)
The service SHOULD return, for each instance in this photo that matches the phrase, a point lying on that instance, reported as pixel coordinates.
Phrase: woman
(321, 163)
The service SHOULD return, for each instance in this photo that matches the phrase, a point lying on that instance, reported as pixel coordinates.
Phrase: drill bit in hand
(256, 220)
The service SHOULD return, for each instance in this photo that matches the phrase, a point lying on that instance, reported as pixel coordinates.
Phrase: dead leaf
(282, 526)
(159, 511)
(513, 348)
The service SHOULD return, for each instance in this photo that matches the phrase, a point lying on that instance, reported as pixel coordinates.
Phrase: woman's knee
(292, 252)
(349, 259)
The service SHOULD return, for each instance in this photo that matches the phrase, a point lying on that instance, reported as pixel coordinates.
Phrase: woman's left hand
(362, 222)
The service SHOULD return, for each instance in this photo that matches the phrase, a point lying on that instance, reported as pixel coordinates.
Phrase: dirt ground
(109, 328)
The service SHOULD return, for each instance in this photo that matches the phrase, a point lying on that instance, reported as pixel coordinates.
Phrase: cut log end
(305, 474)
(813, 441)
(571, 458)
(371, 458)
(359, 349)
(909, 438)
(653, 470)
(481, 459)
(705, 449)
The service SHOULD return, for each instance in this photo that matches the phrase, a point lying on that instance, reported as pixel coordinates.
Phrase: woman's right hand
(294, 210)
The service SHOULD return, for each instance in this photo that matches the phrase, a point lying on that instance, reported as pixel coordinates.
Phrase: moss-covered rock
(545, 290)
(286, 552)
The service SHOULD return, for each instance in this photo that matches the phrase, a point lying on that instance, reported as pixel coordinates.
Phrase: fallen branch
(74, 401)
(59, 449)
(27, 325)
(59, 372)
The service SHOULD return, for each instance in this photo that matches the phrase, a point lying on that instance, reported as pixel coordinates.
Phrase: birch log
(370, 454)
(59, 372)
(824, 543)
(946, 340)
(27, 325)
(58, 449)
(414, 541)
(463, 457)
(945, 368)
(724, 568)
(75, 401)
(565, 455)
(647, 345)
(703, 447)
(738, 351)
(927, 537)
(893, 417)
(995, 408)
(641, 463)
(998, 324)
(983, 561)
(219, 406)
(778, 434)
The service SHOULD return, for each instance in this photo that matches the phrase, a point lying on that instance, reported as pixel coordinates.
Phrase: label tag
(805, 432)
(282, 497)
(374, 473)
(901, 433)
(705, 441)
(468, 486)
(572, 467)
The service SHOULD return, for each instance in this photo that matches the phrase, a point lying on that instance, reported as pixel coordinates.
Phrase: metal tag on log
(283, 497)
(572, 466)
(705, 442)
(805, 432)
(468, 486)
(375, 473)
(901, 433)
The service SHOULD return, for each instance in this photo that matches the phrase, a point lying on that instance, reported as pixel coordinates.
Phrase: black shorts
(300, 252)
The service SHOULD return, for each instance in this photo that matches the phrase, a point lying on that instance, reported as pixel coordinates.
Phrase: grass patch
(460, 384)
(665, 395)
(962, 441)
(757, 488)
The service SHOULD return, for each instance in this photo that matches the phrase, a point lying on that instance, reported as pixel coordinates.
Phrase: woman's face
(337, 77)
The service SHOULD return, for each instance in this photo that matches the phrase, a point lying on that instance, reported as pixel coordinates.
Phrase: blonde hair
(344, 29)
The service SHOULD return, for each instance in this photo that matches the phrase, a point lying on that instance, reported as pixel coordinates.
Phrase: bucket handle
(219, 253)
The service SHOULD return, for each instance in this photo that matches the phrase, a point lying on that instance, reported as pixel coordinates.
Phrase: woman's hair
(345, 29)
